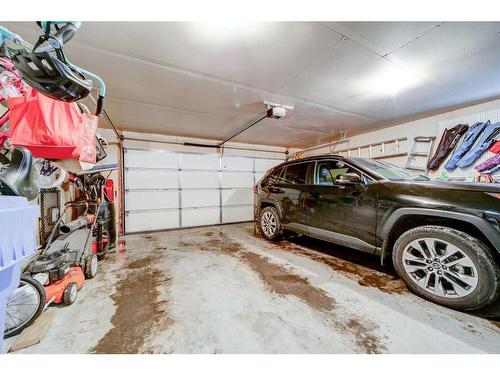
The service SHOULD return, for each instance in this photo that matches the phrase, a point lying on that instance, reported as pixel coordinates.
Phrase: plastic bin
(17, 241)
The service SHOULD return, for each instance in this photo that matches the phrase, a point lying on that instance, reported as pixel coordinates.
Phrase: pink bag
(3, 137)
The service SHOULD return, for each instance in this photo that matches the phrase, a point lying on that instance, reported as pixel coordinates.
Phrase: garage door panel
(151, 220)
(263, 165)
(237, 180)
(237, 163)
(200, 198)
(151, 159)
(151, 200)
(200, 216)
(232, 197)
(151, 179)
(199, 179)
(168, 189)
(237, 214)
(259, 175)
(200, 161)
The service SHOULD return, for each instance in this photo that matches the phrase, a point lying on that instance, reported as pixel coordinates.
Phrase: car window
(328, 171)
(275, 176)
(295, 174)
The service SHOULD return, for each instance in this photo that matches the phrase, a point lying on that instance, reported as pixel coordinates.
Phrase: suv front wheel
(447, 266)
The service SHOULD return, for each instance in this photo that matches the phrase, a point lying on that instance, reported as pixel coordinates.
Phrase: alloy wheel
(440, 268)
(269, 224)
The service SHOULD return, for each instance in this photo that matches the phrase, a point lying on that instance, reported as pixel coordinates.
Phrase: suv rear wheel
(270, 224)
(447, 266)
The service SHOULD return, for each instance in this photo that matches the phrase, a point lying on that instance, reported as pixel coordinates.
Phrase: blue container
(17, 242)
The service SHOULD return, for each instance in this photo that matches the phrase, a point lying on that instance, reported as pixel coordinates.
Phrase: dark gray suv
(444, 238)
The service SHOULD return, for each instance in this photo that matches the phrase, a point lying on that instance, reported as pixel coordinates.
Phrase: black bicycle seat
(15, 179)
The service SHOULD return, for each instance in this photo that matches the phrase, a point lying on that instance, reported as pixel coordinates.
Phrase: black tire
(108, 215)
(39, 289)
(266, 214)
(487, 286)
(91, 267)
(112, 225)
(70, 293)
(102, 251)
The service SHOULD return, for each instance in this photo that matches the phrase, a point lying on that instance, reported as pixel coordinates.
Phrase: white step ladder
(414, 154)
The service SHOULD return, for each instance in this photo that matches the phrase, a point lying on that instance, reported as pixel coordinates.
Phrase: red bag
(496, 147)
(52, 129)
(3, 137)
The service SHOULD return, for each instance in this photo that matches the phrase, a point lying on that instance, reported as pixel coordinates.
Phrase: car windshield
(389, 171)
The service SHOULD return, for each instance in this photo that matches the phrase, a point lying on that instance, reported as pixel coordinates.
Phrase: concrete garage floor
(223, 289)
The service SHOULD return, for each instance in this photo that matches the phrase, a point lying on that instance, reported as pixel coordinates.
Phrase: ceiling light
(220, 28)
(391, 81)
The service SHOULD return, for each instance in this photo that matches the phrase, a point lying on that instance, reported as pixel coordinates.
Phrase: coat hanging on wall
(448, 141)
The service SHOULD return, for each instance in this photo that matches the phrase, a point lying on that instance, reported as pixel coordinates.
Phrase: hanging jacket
(495, 169)
(448, 141)
(488, 164)
(470, 138)
(484, 142)
(496, 147)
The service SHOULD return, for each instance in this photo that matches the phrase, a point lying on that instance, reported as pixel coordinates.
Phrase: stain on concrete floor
(277, 278)
(283, 282)
(386, 283)
(222, 289)
(365, 338)
(138, 308)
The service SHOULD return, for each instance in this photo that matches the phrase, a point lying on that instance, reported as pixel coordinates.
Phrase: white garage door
(167, 189)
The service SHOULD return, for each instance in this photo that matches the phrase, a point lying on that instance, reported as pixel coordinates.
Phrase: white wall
(429, 126)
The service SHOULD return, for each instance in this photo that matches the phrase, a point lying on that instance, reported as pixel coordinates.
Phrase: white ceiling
(207, 80)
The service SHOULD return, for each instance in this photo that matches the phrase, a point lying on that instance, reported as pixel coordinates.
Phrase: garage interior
(187, 126)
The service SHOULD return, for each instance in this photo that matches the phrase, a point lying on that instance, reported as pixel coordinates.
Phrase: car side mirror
(348, 179)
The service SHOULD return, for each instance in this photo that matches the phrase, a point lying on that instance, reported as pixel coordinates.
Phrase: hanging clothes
(448, 141)
(495, 169)
(484, 142)
(496, 147)
(470, 138)
(488, 164)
